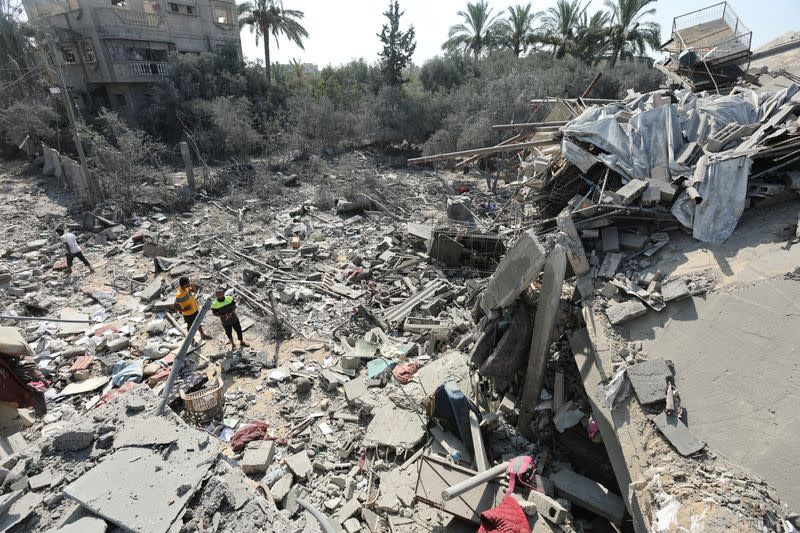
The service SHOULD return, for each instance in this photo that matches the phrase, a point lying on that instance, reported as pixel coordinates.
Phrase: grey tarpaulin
(723, 191)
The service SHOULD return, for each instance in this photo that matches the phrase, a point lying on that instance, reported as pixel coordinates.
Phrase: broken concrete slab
(543, 328)
(349, 509)
(609, 237)
(609, 266)
(625, 311)
(678, 434)
(520, 266)
(394, 427)
(450, 366)
(86, 524)
(437, 474)
(20, 510)
(299, 464)
(547, 507)
(590, 495)
(147, 431)
(152, 290)
(631, 191)
(72, 328)
(675, 290)
(156, 487)
(649, 380)
(258, 459)
(87, 385)
(41, 480)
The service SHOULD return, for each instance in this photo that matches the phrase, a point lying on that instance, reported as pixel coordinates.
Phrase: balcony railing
(130, 17)
(149, 68)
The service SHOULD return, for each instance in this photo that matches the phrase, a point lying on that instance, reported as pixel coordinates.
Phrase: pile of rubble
(430, 352)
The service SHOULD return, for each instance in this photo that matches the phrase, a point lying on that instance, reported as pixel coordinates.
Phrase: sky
(341, 30)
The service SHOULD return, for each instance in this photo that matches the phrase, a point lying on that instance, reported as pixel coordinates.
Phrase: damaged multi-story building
(112, 51)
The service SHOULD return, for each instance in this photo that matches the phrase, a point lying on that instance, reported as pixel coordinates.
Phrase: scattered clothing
(405, 373)
(508, 517)
(256, 430)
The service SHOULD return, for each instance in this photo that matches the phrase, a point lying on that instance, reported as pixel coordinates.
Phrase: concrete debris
(325, 388)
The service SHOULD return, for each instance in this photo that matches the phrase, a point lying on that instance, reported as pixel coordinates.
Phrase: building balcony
(129, 17)
(148, 69)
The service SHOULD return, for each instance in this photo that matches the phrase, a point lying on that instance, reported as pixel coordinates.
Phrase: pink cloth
(249, 432)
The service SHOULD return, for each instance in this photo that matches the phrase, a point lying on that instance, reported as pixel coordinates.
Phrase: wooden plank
(479, 151)
(541, 126)
(475, 158)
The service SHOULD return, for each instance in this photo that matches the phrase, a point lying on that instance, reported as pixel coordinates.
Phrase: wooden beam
(541, 126)
(480, 151)
(475, 158)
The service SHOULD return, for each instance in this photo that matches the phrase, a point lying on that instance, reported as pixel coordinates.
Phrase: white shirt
(71, 242)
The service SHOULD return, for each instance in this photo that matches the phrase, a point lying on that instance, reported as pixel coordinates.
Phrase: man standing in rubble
(73, 250)
(186, 304)
(225, 308)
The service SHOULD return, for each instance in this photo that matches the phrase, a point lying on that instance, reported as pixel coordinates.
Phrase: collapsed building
(605, 343)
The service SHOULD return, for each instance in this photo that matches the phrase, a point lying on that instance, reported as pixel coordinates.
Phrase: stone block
(73, 438)
(520, 266)
(625, 311)
(258, 460)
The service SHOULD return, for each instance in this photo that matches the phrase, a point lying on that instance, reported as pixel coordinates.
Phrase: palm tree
(628, 35)
(560, 24)
(478, 32)
(268, 17)
(516, 32)
(591, 37)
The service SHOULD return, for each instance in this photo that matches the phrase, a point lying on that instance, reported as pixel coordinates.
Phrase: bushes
(230, 125)
(121, 158)
(28, 116)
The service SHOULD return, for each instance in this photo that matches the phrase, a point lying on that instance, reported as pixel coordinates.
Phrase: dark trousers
(79, 255)
(231, 327)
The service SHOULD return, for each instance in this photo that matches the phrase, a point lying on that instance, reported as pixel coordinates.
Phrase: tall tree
(268, 17)
(628, 34)
(398, 46)
(591, 37)
(516, 31)
(478, 32)
(559, 26)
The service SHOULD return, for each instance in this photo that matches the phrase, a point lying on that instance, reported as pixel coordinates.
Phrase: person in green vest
(225, 308)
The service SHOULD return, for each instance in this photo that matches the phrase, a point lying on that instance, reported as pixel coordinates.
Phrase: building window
(121, 100)
(175, 8)
(190, 10)
(119, 3)
(68, 55)
(88, 53)
(223, 15)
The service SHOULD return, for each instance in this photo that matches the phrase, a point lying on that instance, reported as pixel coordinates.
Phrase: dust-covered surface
(332, 384)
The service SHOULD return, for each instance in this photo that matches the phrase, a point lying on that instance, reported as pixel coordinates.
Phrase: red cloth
(253, 431)
(405, 373)
(508, 517)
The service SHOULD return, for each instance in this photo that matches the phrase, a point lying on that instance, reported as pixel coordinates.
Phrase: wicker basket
(205, 403)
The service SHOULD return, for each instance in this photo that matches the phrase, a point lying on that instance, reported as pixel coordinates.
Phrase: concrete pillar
(546, 315)
(187, 161)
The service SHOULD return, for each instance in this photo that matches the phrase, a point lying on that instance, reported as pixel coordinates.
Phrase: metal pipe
(176, 365)
(479, 479)
(323, 520)
(46, 319)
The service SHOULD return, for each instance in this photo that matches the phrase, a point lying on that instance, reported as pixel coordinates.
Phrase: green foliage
(398, 46)
(479, 31)
(443, 73)
(628, 34)
(30, 116)
(268, 17)
(502, 87)
(230, 123)
(516, 33)
(120, 157)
